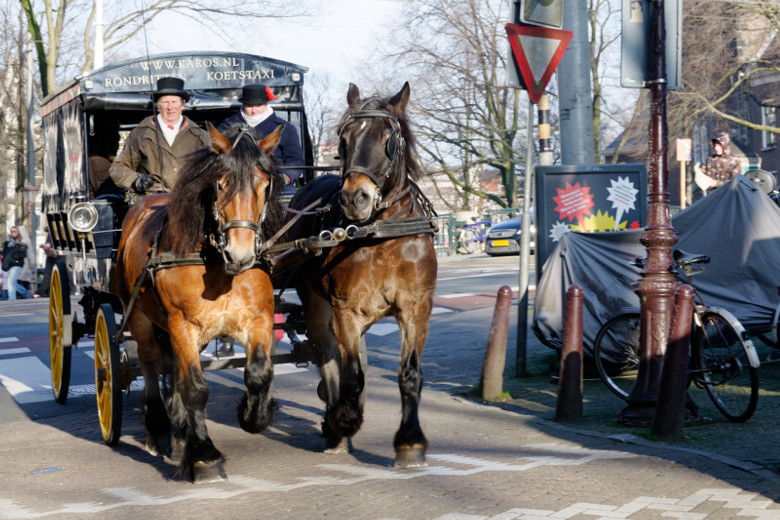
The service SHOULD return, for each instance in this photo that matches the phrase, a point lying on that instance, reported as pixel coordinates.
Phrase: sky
(332, 42)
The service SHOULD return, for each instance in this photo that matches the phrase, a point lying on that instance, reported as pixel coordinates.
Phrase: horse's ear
(219, 143)
(399, 101)
(353, 94)
(270, 142)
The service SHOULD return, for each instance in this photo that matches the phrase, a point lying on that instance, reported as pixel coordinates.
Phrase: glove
(143, 183)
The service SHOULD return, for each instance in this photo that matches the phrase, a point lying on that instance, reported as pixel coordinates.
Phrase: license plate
(500, 243)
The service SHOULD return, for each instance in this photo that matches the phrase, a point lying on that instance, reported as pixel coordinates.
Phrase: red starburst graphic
(574, 202)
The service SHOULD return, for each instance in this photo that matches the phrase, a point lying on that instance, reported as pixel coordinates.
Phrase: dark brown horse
(225, 202)
(352, 286)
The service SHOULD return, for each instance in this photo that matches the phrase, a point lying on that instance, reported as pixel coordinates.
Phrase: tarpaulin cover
(737, 225)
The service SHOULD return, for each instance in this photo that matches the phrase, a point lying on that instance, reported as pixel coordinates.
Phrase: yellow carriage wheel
(60, 333)
(108, 375)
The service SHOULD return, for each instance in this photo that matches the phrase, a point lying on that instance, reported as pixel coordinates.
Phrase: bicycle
(723, 360)
(472, 236)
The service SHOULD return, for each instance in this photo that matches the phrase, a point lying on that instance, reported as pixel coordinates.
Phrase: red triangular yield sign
(537, 51)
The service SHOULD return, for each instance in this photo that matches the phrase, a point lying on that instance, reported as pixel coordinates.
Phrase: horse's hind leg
(255, 412)
(157, 425)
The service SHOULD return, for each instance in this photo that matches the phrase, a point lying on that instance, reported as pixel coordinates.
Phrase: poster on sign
(588, 199)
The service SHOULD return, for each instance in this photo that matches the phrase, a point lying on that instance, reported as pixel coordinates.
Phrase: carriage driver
(256, 113)
(155, 150)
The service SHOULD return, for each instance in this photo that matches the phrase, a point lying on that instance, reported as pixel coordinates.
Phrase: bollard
(670, 406)
(491, 382)
(569, 407)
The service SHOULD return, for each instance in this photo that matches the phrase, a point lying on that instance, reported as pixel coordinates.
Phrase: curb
(628, 438)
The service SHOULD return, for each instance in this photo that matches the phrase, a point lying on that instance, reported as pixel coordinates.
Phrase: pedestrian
(258, 114)
(14, 258)
(722, 165)
(28, 277)
(155, 151)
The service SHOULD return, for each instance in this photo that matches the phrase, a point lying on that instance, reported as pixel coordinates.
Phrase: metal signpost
(536, 53)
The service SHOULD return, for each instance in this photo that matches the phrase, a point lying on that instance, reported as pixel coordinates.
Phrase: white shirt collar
(170, 133)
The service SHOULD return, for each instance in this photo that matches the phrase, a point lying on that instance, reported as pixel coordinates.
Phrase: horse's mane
(191, 207)
(413, 168)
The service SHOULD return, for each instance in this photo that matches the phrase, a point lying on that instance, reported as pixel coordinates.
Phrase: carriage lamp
(83, 217)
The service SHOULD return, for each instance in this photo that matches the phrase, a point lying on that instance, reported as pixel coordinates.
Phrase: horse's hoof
(410, 458)
(158, 446)
(344, 445)
(205, 472)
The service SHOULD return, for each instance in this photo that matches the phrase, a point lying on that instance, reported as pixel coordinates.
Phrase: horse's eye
(221, 186)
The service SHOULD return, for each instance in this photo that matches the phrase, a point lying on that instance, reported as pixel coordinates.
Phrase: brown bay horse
(350, 287)
(224, 204)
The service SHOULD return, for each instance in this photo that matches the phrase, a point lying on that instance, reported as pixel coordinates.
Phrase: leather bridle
(221, 240)
(394, 149)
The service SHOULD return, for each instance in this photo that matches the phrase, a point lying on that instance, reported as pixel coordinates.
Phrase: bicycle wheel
(468, 240)
(616, 353)
(722, 365)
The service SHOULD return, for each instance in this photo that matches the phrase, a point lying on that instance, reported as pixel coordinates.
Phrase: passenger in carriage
(256, 113)
(155, 150)
(102, 144)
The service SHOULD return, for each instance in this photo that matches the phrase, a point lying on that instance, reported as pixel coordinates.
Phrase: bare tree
(604, 31)
(725, 46)
(468, 120)
(455, 54)
(321, 114)
(747, 37)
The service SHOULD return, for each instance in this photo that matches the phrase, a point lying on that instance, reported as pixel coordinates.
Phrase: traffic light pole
(657, 285)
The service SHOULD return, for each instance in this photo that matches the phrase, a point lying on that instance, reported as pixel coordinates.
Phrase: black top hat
(256, 95)
(170, 87)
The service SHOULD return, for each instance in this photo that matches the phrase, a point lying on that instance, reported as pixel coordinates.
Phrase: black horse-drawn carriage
(171, 273)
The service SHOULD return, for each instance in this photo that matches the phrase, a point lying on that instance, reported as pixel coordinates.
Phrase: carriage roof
(214, 79)
(121, 92)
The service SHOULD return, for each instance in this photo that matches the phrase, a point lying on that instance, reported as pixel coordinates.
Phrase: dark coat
(288, 153)
(141, 155)
(14, 254)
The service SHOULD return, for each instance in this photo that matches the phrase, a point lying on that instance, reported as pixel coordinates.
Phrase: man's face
(718, 148)
(170, 108)
(254, 110)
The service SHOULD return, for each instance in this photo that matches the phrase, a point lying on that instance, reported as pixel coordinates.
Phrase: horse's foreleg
(255, 412)
(201, 461)
(410, 443)
(319, 317)
(344, 414)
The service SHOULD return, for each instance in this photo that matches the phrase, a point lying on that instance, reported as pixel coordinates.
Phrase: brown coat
(141, 154)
